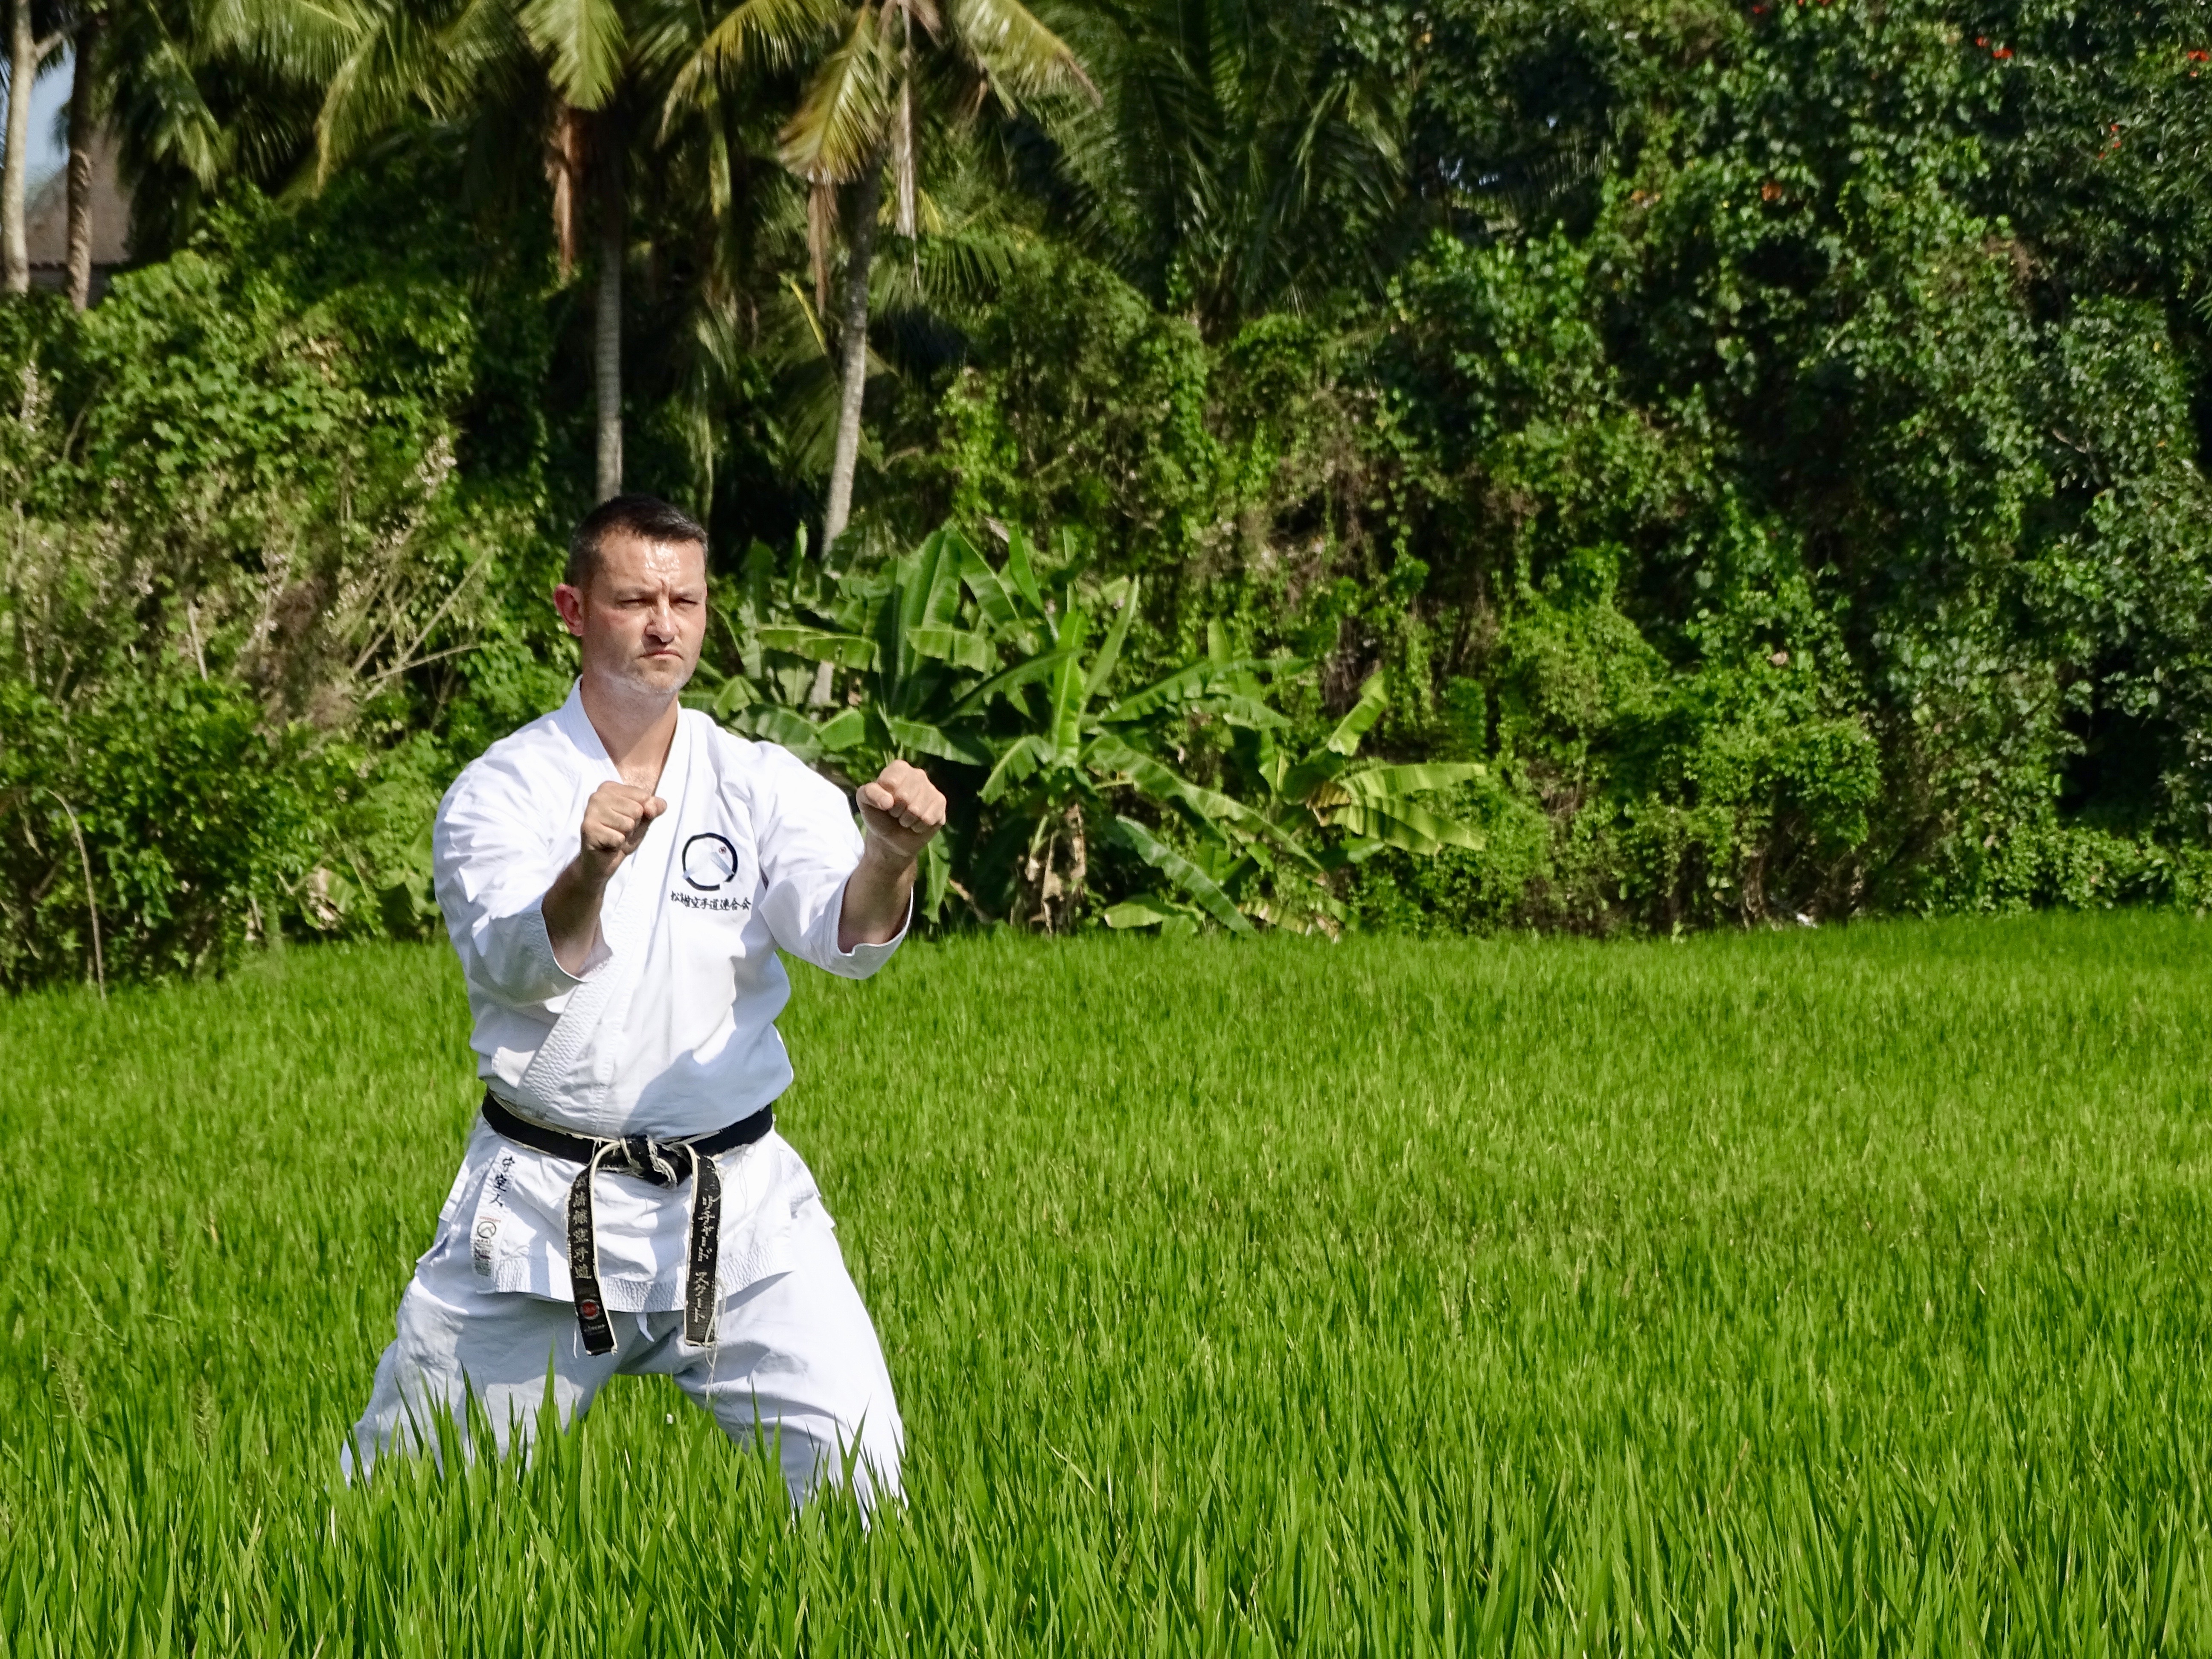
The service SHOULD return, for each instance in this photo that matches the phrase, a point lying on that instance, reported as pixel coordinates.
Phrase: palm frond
(304, 39)
(839, 128)
(401, 62)
(774, 33)
(158, 109)
(586, 41)
(1024, 58)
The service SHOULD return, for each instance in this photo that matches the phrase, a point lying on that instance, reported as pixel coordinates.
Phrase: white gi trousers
(794, 1365)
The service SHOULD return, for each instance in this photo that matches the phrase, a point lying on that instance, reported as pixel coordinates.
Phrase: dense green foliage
(1836, 1292)
(258, 603)
(940, 657)
(1766, 439)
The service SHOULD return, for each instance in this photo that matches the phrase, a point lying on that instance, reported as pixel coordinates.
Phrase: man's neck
(636, 733)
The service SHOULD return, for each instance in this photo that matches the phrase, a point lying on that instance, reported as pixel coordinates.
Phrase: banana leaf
(1185, 685)
(1402, 825)
(1374, 697)
(991, 596)
(956, 646)
(841, 731)
(925, 739)
(1068, 695)
(1305, 782)
(1109, 653)
(1183, 874)
(1025, 577)
(1148, 910)
(1143, 911)
(1018, 762)
(1381, 783)
(927, 596)
(819, 645)
(1208, 810)
(1240, 709)
(772, 722)
(1041, 667)
(936, 878)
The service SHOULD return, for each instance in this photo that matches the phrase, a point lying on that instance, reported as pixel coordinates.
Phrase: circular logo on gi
(487, 1230)
(709, 861)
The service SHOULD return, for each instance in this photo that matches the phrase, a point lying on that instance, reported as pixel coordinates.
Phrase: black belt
(663, 1163)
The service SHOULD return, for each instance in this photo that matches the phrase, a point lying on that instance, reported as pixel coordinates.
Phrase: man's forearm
(571, 908)
(877, 894)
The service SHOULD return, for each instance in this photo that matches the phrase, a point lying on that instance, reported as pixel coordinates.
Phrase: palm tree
(27, 51)
(192, 93)
(83, 122)
(565, 79)
(859, 116)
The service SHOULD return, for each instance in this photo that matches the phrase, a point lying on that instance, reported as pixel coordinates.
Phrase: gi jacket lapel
(627, 914)
(628, 920)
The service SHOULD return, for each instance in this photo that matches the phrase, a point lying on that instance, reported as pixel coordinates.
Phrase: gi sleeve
(809, 846)
(492, 863)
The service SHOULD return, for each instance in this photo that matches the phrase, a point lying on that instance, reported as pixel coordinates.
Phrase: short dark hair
(645, 517)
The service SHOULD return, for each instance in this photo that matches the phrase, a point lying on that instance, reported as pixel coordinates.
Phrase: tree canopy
(1753, 452)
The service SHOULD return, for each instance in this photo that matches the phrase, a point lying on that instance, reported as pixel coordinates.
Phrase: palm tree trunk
(851, 348)
(606, 345)
(22, 70)
(80, 163)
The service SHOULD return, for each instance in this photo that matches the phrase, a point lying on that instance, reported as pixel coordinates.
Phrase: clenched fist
(903, 810)
(616, 819)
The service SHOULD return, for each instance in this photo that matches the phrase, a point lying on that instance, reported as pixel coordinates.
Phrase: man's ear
(569, 602)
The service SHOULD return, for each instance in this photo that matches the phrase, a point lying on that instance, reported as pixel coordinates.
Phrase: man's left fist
(901, 808)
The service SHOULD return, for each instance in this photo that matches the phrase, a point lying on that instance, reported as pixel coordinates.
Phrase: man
(617, 879)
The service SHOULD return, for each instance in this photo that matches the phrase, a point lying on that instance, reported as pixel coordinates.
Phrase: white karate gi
(669, 1032)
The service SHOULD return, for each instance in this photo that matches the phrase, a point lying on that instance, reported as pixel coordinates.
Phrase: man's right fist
(616, 819)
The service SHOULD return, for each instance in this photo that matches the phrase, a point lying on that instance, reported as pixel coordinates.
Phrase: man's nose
(662, 622)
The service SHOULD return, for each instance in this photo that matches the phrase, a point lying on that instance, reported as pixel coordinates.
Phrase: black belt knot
(649, 1160)
(663, 1164)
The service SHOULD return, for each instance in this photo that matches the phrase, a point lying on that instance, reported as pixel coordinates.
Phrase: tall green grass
(1841, 1293)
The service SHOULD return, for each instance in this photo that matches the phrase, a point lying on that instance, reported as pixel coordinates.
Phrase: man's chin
(648, 679)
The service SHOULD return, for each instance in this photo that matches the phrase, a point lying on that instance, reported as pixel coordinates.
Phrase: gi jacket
(670, 1029)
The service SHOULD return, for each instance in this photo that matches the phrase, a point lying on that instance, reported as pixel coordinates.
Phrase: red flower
(1981, 39)
(2002, 52)
(2200, 56)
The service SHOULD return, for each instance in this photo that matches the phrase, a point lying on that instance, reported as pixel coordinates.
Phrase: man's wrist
(584, 875)
(886, 861)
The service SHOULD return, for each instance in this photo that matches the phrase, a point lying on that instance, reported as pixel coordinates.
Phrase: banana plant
(940, 657)
(888, 641)
(1074, 752)
(1374, 802)
(1370, 805)
(876, 633)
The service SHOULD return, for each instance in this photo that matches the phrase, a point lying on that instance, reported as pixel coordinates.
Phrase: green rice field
(1834, 1293)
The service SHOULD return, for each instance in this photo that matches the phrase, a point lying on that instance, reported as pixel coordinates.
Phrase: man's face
(642, 617)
